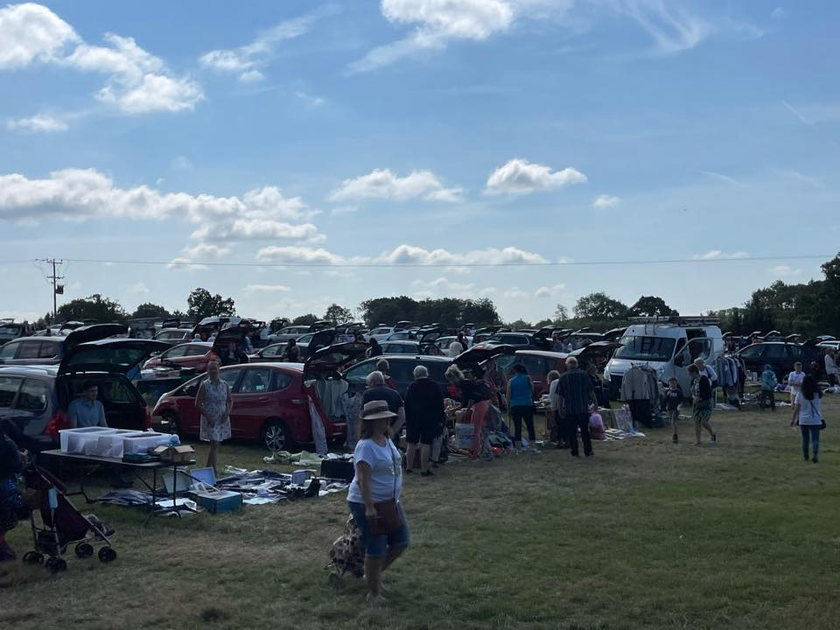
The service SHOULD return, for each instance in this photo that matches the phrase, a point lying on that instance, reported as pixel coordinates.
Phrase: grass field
(742, 534)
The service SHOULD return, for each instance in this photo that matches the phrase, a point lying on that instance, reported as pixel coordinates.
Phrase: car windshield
(646, 349)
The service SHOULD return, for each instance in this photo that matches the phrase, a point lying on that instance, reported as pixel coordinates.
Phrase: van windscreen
(645, 349)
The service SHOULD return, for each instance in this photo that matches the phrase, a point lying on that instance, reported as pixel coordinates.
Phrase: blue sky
(435, 133)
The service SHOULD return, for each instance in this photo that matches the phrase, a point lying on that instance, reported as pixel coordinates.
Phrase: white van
(666, 344)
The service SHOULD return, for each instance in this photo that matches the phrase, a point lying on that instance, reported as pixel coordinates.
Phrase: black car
(401, 367)
(778, 354)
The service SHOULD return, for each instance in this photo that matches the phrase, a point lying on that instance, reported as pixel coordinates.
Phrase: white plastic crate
(109, 445)
(73, 440)
(142, 442)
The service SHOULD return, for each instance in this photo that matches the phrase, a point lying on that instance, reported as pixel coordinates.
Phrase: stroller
(62, 525)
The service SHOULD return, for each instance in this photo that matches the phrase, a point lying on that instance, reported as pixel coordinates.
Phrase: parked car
(270, 402)
(174, 336)
(401, 347)
(538, 363)
(778, 354)
(30, 396)
(270, 354)
(51, 350)
(400, 335)
(10, 330)
(289, 332)
(380, 333)
(194, 355)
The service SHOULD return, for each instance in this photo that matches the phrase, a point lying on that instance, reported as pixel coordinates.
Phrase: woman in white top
(795, 379)
(806, 413)
(378, 480)
(214, 403)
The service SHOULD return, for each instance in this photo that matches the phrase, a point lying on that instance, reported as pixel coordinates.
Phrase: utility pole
(57, 289)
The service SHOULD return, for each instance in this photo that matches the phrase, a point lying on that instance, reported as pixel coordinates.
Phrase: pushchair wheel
(84, 550)
(33, 557)
(56, 564)
(106, 554)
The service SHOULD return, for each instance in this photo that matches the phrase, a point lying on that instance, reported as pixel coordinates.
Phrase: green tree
(599, 306)
(305, 320)
(203, 304)
(337, 314)
(150, 310)
(651, 306)
(95, 307)
(520, 323)
(480, 312)
(561, 314)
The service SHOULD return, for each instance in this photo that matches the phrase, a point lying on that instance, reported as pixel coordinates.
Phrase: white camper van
(666, 344)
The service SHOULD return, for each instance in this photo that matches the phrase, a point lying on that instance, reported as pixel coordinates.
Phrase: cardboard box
(180, 453)
(215, 502)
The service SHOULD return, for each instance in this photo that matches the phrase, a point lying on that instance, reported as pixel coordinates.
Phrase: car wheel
(276, 436)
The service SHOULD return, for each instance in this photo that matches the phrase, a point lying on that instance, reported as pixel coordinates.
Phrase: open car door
(426, 337)
(478, 356)
(684, 355)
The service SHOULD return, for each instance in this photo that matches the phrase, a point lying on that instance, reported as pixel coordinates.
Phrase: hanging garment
(635, 384)
(319, 434)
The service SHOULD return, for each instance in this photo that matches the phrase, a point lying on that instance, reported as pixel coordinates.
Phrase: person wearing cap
(378, 479)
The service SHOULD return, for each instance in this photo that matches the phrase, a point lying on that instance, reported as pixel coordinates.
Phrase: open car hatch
(333, 358)
(109, 355)
(478, 355)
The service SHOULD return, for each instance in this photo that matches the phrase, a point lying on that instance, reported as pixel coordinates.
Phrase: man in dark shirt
(575, 387)
(377, 390)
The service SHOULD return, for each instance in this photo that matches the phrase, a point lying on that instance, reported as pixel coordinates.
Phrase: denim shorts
(377, 546)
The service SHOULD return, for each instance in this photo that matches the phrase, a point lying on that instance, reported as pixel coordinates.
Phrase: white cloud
(205, 251)
(717, 254)
(801, 178)
(185, 264)
(137, 81)
(339, 210)
(672, 27)
(726, 179)
(488, 291)
(606, 201)
(779, 13)
(266, 288)
(549, 292)
(245, 60)
(31, 33)
(257, 229)
(81, 194)
(401, 255)
(443, 286)
(784, 271)
(139, 288)
(437, 22)
(40, 123)
(383, 184)
(520, 177)
(311, 101)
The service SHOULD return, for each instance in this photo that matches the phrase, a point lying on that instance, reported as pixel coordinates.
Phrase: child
(701, 396)
(795, 379)
(768, 386)
(596, 424)
(673, 399)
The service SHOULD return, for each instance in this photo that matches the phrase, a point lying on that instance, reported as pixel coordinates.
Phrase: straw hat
(377, 410)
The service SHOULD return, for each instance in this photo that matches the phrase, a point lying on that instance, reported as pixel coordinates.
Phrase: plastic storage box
(73, 440)
(142, 442)
(109, 445)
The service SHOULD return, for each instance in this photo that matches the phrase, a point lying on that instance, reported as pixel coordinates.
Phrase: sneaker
(807, 459)
(675, 440)
(815, 459)
(590, 454)
(713, 439)
(428, 473)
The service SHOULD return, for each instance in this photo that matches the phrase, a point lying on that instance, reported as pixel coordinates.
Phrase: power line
(396, 265)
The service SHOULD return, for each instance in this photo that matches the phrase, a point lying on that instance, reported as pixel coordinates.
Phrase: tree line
(810, 309)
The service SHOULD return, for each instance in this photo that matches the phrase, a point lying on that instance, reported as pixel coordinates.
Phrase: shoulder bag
(388, 519)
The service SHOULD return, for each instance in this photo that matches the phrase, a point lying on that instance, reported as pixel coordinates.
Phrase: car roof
(291, 367)
(402, 342)
(544, 353)
(29, 370)
(406, 357)
(205, 344)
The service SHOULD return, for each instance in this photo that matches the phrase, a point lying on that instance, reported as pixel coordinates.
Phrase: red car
(270, 400)
(186, 355)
